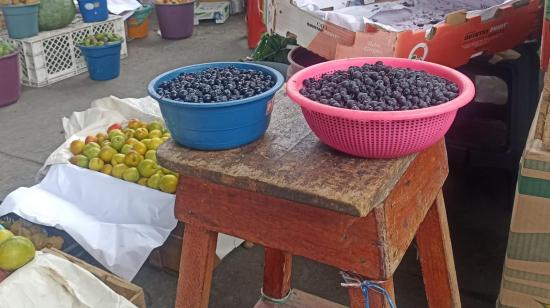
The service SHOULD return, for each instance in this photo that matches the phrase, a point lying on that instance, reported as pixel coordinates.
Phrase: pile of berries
(378, 87)
(216, 85)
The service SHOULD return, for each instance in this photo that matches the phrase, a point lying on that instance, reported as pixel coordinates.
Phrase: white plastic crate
(52, 56)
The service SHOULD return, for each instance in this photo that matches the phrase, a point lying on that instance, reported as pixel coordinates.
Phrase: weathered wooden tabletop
(290, 162)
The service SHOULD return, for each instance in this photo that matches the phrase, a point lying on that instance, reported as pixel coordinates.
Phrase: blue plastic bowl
(217, 126)
(103, 61)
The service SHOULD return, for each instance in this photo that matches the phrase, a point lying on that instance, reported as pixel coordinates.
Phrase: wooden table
(295, 196)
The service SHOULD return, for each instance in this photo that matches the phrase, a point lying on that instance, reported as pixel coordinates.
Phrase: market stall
(343, 162)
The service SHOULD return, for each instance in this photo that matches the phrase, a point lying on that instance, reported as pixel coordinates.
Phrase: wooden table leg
(198, 253)
(376, 300)
(277, 273)
(436, 258)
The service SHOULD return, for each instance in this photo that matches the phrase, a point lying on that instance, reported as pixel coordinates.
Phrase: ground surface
(477, 200)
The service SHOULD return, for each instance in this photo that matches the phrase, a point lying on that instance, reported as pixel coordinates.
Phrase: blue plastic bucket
(93, 10)
(21, 20)
(217, 126)
(103, 61)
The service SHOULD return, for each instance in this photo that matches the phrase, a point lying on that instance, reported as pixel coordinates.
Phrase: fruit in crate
(127, 152)
(101, 39)
(18, 2)
(6, 49)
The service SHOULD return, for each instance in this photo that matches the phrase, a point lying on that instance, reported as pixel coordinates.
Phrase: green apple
(107, 169)
(147, 142)
(155, 133)
(117, 142)
(134, 123)
(131, 141)
(96, 164)
(128, 132)
(142, 181)
(115, 132)
(93, 144)
(131, 174)
(168, 183)
(77, 146)
(107, 153)
(141, 133)
(152, 155)
(91, 150)
(155, 125)
(118, 159)
(80, 160)
(155, 143)
(154, 181)
(126, 148)
(118, 170)
(133, 158)
(101, 137)
(147, 167)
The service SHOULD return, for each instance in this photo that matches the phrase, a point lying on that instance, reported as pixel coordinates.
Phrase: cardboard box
(451, 43)
(122, 287)
(527, 262)
(218, 11)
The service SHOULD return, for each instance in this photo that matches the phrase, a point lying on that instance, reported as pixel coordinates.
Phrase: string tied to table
(353, 281)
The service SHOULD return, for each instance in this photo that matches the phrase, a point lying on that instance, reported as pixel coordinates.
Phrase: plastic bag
(55, 14)
(140, 15)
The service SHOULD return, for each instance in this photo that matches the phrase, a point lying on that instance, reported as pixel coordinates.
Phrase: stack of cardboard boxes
(526, 273)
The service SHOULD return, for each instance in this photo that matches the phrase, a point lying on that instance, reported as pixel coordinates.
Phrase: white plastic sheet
(117, 222)
(397, 15)
(120, 6)
(52, 282)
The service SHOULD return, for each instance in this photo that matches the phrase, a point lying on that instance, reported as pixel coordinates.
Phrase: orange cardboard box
(451, 43)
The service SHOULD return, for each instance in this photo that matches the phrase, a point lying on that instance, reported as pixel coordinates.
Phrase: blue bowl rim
(278, 84)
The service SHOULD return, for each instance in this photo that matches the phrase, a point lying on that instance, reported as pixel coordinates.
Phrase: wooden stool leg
(198, 253)
(376, 300)
(436, 258)
(277, 273)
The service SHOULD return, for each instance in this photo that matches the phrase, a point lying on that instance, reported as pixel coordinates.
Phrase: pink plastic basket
(380, 134)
